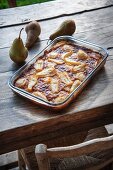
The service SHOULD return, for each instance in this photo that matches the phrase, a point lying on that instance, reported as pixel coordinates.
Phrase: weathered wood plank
(55, 128)
(8, 158)
(38, 12)
(95, 26)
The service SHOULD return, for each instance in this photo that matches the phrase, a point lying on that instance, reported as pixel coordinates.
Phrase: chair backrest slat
(43, 154)
(82, 148)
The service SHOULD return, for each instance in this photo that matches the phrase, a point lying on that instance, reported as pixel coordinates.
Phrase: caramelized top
(59, 71)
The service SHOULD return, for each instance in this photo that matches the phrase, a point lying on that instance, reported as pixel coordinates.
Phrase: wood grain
(94, 26)
(84, 148)
(8, 158)
(45, 11)
(54, 128)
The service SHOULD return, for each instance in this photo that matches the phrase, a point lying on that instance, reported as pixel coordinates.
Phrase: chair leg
(21, 162)
(29, 157)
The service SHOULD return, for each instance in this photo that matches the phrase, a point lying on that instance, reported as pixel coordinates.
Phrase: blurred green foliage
(4, 3)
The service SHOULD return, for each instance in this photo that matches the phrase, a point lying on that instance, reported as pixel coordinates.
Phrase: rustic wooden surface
(23, 123)
(8, 160)
(45, 11)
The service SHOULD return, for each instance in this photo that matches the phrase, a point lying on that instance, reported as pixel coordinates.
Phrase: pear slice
(71, 61)
(68, 47)
(82, 55)
(32, 82)
(53, 54)
(40, 94)
(75, 85)
(80, 67)
(67, 88)
(65, 78)
(46, 72)
(47, 79)
(20, 82)
(56, 61)
(59, 44)
(54, 85)
(51, 64)
(62, 96)
(80, 76)
(67, 54)
(38, 65)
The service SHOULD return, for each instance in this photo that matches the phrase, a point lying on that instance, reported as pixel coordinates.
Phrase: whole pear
(33, 31)
(67, 27)
(18, 52)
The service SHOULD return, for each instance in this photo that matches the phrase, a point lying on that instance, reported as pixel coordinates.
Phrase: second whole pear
(33, 31)
(67, 27)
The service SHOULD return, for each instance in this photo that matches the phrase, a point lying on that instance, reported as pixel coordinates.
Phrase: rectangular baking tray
(72, 95)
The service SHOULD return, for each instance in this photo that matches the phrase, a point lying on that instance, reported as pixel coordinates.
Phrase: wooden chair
(96, 152)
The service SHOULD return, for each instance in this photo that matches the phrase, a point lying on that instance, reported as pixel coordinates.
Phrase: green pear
(18, 52)
(67, 27)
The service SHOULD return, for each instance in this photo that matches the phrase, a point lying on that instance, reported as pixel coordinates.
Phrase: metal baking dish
(76, 91)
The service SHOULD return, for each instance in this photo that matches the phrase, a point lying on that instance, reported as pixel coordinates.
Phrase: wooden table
(23, 123)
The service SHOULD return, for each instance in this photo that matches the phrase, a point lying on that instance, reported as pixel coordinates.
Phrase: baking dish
(76, 91)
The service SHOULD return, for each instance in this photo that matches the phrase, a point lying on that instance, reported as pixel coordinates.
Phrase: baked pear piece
(78, 68)
(65, 78)
(56, 61)
(20, 82)
(66, 54)
(80, 76)
(40, 95)
(62, 96)
(71, 61)
(82, 55)
(46, 72)
(54, 85)
(39, 65)
(32, 82)
(53, 54)
(75, 85)
(59, 44)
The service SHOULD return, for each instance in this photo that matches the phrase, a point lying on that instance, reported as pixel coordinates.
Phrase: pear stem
(20, 32)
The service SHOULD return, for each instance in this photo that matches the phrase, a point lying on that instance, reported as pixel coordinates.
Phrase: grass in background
(4, 3)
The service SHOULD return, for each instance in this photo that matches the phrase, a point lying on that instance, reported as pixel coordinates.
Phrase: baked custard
(59, 71)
